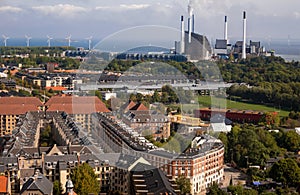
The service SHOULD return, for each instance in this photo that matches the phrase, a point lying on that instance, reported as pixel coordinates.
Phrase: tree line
(250, 145)
(268, 80)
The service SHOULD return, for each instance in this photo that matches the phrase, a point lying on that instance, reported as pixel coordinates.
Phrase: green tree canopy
(184, 184)
(291, 141)
(85, 180)
(215, 190)
(57, 188)
(286, 171)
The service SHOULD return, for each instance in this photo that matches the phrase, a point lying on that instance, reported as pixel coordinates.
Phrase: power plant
(241, 49)
(193, 46)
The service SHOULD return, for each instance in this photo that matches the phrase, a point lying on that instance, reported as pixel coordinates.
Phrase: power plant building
(241, 49)
(192, 45)
(198, 49)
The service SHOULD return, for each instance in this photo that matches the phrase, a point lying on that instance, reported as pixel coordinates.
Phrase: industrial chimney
(244, 36)
(190, 10)
(182, 45)
(193, 28)
(226, 30)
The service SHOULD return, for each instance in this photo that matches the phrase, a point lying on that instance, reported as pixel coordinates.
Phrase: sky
(267, 19)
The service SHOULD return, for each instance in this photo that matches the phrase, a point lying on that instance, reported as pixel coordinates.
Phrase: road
(18, 87)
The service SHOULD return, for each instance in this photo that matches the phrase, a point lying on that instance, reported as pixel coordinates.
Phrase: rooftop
(76, 104)
(17, 109)
(3, 184)
(38, 182)
(20, 101)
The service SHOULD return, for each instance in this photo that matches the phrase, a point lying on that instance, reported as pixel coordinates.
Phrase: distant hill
(147, 49)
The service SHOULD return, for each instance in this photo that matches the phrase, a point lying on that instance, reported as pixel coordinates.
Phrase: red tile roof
(129, 105)
(139, 107)
(58, 88)
(20, 100)
(73, 100)
(17, 109)
(18, 105)
(3, 184)
(76, 104)
(78, 108)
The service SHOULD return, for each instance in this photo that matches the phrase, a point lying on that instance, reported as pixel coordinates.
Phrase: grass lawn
(205, 101)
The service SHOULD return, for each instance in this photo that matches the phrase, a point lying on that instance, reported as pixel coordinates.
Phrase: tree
(286, 171)
(57, 188)
(215, 190)
(155, 97)
(184, 184)
(291, 141)
(271, 119)
(35, 92)
(2, 86)
(231, 181)
(51, 90)
(85, 180)
(240, 190)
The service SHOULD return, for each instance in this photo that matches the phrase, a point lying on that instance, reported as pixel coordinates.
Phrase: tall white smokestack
(190, 10)
(226, 29)
(244, 36)
(182, 45)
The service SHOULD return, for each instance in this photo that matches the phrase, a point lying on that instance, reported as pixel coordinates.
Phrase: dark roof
(255, 43)
(8, 160)
(26, 173)
(125, 161)
(38, 182)
(146, 116)
(154, 179)
(221, 44)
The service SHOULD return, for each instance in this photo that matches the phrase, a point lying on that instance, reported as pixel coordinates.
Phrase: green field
(205, 101)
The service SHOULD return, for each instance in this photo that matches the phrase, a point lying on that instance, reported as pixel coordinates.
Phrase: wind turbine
(90, 41)
(69, 40)
(49, 40)
(5, 40)
(28, 40)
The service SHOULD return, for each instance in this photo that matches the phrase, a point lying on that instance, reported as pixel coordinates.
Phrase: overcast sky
(100, 18)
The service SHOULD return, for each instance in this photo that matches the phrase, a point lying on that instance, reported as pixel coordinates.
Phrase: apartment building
(141, 119)
(202, 164)
(11, 108)
(79, 108)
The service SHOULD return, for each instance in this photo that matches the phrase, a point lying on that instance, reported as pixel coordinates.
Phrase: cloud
(65, 10)
(10, 9)
(297, 15)
(134, 6)
(123, 7)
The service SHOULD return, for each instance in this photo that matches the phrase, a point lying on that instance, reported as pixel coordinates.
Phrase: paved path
(237, 176)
